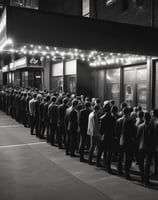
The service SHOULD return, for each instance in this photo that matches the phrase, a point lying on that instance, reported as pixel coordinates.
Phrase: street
(32, 169)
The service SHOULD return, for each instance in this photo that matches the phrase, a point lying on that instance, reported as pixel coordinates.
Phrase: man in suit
(83, 125)
(93, 131)
(146, 147)
(45, 118)
(107, 131)
(32, 113)
(37, 114)
(53, 119)
(127, 135)
(62, 134)
(72, 127)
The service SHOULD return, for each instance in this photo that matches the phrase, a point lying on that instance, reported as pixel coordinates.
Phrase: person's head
(39, 97)
(88, 99)
(112, 102)
(123, 105)
(133, 116)
(139, 108)
(96, 108)
(65, 101)
(140, 114)
(53, 99)
(147, 117)
(74, 103)
(87, 105)
(106, 107)
(155, 113)
(48, 98)
(34, 95)
(97, 101)
(126, 111)
(114, 110)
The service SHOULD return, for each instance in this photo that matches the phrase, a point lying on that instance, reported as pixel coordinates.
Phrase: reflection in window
(85, 8)
(25, 3)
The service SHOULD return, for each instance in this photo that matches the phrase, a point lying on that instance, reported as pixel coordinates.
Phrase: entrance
(135, 86)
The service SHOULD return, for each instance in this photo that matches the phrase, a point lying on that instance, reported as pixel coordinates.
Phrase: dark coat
(61, 112)
(107, 128)
(83, 120)
(53, 113)
(145, 137)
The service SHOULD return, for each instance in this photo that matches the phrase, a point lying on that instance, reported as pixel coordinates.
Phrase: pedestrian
(93, 131)
(146, 147)
(32, 113)
(126, 138)
(53, 120)
(62, 134)
(107, 130)
(83, 125)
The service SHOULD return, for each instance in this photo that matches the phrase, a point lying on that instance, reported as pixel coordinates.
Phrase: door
(135, 86)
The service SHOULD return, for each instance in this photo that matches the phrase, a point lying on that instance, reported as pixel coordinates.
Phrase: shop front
(22, 73)
(96, 58)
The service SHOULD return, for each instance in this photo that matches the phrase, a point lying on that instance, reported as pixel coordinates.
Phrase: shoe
(147, 183)
(90, 163)
(82, 160)
(98, 165)
(120, 173)
(128, 177)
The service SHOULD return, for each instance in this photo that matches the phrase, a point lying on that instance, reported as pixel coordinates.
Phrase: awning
(26, 26)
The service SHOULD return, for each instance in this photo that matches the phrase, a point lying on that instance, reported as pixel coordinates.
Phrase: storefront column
(46, 74)
(149, 83)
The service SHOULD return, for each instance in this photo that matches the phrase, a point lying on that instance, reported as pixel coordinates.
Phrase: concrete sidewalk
(32, 169)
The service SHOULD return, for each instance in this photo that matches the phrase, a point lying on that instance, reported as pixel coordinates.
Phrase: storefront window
(156, 86)
(25, 3)
(85, 8)
(112, 86)
(70, 84)
(135, 86)
(57, 84)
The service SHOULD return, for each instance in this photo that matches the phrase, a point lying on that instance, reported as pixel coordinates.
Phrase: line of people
(80, 124)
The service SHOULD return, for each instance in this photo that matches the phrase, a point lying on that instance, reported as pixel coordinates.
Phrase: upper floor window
(86, 8)
(125, 5)
(25, 3)
(109, 2)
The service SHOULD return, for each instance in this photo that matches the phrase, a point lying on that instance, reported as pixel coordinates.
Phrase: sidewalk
(32, 169)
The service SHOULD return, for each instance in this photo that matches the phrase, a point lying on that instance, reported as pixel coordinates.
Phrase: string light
(93, 57)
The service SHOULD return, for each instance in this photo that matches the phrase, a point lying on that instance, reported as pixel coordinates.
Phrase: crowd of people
(89, 127)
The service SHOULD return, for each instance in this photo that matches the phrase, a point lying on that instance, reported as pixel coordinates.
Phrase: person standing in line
(127, 138)
(28, 98)
(146, 146)
(93, 131)
(37, 120)
(107, 130)
(72, 127)
(32, 113)
(53, 119)
(41, 109)
(66, 124)
(45, 119)
(83, 125)
(62, 134)
(155, 123)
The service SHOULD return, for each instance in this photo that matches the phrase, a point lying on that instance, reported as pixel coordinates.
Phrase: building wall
(132, 14)
(71, 7)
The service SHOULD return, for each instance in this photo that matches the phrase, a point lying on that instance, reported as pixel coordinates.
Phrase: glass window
(57, 84)
(85, 8)
(156, 86)
(25, 3)
(70, 84)
(112, 87)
